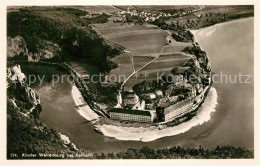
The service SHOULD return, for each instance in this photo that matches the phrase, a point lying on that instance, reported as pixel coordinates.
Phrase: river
(230, 49)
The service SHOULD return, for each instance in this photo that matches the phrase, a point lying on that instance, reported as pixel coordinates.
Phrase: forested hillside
(177, 152)
(53, 32)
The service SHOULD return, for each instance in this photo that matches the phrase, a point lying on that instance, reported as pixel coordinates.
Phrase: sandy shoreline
(211, 29)
(83, 109)
(146, 134)
(152, 133)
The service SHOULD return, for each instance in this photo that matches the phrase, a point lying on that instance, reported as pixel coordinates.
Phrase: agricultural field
(125, 68)
(115, 28)
(163, 63)
(157, 65)
(183, 20)
(150, 75)
(175, 47)
(139, 39)
(150, 51)
(171, 56)
(140, 61)
(98, 9)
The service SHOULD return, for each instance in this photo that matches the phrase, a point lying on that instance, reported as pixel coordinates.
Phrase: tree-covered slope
(60, 32)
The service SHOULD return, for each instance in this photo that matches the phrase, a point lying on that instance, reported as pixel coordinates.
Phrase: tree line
(177, 152)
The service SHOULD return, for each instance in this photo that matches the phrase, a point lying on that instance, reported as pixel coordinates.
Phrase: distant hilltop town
(148, 16)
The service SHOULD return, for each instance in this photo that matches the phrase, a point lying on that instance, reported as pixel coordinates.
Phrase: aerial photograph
(130, 82)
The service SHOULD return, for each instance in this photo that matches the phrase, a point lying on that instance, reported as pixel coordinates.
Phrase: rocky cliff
(20, 94)
(25, 133)
(17, 49)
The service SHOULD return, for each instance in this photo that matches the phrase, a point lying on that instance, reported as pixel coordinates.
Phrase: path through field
(147, 45)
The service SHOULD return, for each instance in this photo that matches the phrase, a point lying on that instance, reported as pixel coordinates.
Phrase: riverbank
(146, 134)
(82, 107)
(211, 29)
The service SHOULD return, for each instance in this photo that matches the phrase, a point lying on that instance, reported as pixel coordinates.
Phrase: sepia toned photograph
(130, 82)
